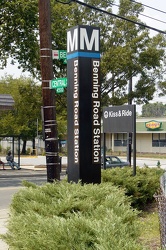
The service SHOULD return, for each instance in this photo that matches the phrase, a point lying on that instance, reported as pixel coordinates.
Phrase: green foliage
(150, 235)
(27, 108)
(127, 50)
(27, 95)
(19, 33)
(141, 187)
(157, 109)
(129, 53)
(72, 216)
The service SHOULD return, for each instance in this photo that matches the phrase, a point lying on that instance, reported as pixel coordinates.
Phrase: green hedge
(65, 216)
(140, 187)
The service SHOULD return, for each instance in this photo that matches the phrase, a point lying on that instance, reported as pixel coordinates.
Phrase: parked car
(114, 161)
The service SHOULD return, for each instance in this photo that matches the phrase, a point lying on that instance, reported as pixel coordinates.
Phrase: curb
(25, 172)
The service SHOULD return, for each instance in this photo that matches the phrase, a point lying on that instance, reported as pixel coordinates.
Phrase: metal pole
(49, 111)
(104, 153)
(134, 142)
(37, 135)
(129, 135)
(13, 147)
(19, 151)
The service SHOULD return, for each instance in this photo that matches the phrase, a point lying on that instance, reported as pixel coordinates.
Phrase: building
(6, 102)
(150, 137)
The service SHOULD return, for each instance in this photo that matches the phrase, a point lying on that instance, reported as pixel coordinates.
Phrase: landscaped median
(72, 216)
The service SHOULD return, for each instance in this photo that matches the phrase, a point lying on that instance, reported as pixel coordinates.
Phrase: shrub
(140, 187)
(28, 151)
(67, 216)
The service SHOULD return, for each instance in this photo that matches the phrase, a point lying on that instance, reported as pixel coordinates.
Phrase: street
(10, 181)
(150, 162)
(9, 186)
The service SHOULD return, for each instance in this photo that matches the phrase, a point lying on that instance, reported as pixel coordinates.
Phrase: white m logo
(89, 44)
(86, 43)
(72, 44)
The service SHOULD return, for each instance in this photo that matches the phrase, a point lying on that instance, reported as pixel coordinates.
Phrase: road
(41, 160)
(34, 160)
(150, 162)
(10, 181)
(9, 186)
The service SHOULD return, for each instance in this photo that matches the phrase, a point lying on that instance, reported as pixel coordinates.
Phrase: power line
(142, 14)
(153, 18)
(148, 6)
(117, 16)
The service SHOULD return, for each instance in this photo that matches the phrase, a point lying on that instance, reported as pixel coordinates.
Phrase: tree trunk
(33, 146)
(23, 152)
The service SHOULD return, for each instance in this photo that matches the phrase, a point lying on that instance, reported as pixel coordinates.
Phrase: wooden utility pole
(49, 111)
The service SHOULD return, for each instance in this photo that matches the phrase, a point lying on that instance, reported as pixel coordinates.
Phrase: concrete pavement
(3, 220)
(30, 166)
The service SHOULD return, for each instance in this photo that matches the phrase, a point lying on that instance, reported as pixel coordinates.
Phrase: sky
(160, 5)
(157, 4)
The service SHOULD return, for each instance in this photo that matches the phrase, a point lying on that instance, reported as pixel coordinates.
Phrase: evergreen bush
(141, 187)
(65, 216)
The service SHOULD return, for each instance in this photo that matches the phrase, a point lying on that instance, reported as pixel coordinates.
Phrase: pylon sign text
(84, 120)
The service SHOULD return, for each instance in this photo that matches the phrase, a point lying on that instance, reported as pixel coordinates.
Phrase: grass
(149, 220)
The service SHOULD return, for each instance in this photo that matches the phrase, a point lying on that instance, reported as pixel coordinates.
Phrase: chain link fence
(160, 198)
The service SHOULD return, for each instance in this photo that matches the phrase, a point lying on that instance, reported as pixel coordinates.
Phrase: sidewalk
(26, 171)
(3, 219)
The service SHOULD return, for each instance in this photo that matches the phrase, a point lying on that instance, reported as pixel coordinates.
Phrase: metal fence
(160, 197)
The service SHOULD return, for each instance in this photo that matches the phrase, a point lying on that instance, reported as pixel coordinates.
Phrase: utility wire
(117, 16)
(142, 14)
(65, 2)
(148, 6)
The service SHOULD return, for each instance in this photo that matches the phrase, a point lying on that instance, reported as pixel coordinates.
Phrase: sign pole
(134, 142)
(104, 153)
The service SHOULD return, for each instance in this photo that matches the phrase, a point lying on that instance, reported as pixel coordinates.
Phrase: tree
(131, 53)
(157, 109)
(27, 109)
(19, 33)
(127, 50)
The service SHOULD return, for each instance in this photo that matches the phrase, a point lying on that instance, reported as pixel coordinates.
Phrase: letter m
(72, 41)
(89, 42)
